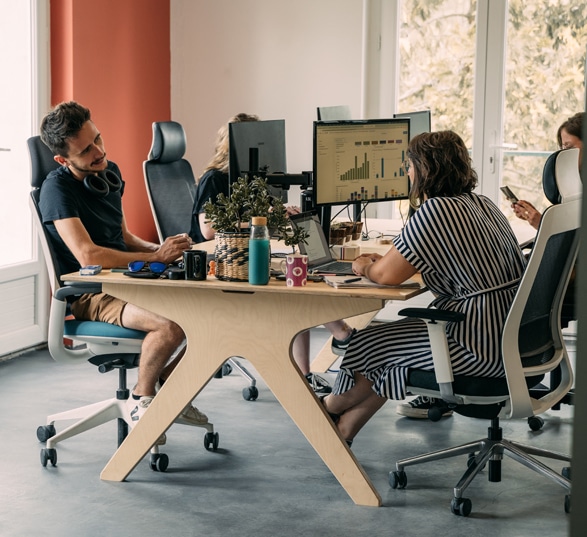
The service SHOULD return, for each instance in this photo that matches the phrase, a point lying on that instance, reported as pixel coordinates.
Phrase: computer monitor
(256, 148)
(360, 161)
(420, 121)
(329, 113)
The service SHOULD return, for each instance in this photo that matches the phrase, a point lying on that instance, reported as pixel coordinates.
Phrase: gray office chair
(171, 188)
(532, 347)
(331, 113)
(561, 182)
(107, 346)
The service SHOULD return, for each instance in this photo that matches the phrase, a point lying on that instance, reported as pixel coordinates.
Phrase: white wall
(279, 59)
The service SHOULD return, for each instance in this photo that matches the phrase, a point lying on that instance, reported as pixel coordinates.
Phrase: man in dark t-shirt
(81, 208)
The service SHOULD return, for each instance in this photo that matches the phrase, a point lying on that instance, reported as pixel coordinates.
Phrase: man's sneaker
(339, 346)
(190, 415)
(418, 407)
(318, 384)
(136, 409)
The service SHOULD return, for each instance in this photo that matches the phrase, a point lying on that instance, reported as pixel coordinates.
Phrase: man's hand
(172, 248)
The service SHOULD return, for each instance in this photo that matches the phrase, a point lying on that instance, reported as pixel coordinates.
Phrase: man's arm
(134, 243)
(77, 239)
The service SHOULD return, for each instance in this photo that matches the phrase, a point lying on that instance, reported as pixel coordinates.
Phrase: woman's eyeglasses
(155, 266)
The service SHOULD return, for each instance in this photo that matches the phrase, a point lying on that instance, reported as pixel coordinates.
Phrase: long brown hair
(220, 159)
(442, 166)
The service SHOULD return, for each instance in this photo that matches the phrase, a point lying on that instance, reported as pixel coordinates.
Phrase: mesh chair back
(539, 328)
(169, 179)
(42, 163)
(561, 180)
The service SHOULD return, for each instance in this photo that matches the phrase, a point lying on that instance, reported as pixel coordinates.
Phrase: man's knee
(174, 331)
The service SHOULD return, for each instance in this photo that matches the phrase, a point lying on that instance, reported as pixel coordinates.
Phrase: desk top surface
(274, 286)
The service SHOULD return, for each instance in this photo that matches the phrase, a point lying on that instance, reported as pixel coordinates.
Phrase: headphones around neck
(102, 183)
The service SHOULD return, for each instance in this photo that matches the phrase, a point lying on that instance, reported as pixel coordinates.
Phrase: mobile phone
(90, 270)
(510, 196)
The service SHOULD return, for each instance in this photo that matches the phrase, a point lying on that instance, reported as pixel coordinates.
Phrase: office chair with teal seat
(104, 345)
(171, 188)
(532, 347)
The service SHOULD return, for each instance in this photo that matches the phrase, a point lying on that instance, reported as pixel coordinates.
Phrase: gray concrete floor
(264, 481)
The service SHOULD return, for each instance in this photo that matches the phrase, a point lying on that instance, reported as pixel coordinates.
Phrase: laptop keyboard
(339, 267)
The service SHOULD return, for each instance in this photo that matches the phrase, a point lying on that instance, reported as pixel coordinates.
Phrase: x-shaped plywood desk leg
(260, 327)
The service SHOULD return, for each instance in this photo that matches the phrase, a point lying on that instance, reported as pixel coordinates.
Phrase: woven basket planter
(232, 256)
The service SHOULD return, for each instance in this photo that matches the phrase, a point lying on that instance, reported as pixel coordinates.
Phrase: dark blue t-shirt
(63, 196)
(212, 183)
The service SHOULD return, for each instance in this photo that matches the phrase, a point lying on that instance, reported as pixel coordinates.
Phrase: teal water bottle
(259, 253)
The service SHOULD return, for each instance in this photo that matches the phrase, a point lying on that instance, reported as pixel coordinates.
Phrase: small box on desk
(346, 253)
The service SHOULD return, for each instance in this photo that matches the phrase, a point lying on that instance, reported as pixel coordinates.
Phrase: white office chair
(104, 345)
(532, 347)
(170, 185)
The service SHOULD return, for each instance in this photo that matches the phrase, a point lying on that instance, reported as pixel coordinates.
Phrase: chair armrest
(527, 245)
(77, 288)
(436, 321)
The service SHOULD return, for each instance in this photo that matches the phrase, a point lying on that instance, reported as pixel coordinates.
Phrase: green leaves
(250, 198)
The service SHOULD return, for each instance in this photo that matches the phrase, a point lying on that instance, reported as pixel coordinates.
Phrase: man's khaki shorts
(99, 307)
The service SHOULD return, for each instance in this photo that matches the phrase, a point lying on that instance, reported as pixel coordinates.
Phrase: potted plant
(229, 216)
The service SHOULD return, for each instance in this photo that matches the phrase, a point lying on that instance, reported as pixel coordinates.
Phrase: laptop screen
(317, 247)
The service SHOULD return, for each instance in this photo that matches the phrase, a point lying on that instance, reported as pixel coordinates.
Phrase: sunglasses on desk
(145, 269)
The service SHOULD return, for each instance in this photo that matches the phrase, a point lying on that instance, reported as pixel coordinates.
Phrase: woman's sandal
(334, 417)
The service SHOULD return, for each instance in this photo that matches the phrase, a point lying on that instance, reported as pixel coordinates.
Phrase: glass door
(503, 74)
(544, 86)
(23, 284)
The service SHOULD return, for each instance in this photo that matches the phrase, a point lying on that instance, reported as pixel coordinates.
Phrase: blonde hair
(220, 159)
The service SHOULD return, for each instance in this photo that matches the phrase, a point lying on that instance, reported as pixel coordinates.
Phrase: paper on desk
(341, 282)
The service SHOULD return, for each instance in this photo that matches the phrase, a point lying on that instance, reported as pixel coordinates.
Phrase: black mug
(195, 264)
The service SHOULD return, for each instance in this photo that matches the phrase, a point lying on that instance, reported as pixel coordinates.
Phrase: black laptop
(320, 260)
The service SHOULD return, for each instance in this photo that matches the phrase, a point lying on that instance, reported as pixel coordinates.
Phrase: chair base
(96, 414)
(250, 393)
(487, 451)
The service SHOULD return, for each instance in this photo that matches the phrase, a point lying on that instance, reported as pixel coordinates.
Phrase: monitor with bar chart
(360, 160)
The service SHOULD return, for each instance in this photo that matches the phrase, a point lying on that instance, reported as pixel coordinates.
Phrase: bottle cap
(259, 220)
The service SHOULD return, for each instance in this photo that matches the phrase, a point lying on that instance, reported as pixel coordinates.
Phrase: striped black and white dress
(470, 260)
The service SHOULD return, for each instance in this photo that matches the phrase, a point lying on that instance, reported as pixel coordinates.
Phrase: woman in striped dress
(469, 259)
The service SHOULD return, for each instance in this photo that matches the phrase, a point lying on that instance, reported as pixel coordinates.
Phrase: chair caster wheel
(211, 441)
(566, 472)
(398, 479)
(159, 462)
(226, 369)
(461, 506)
(48, 455)
(250, 393)
(535, 423)
(435, 413)
(44, 432)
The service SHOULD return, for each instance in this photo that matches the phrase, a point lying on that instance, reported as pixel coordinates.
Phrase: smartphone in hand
(510, 196)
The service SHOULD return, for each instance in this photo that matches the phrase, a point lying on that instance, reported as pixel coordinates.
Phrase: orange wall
(113, 56)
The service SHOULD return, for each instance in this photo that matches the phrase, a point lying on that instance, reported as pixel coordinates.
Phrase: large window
(530, 59)
(437, 51)
(23, 280)
(15, 128)
(545, 60)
